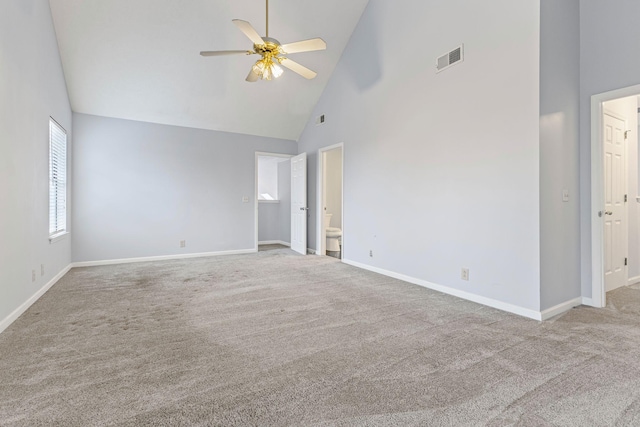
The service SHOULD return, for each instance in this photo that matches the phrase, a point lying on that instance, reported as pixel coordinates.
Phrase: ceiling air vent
(320, 120)
(450, 58)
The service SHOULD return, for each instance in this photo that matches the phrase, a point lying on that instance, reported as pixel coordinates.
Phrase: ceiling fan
(272, 53)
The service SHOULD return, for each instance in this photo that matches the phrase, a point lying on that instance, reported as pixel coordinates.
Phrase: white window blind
(57, 179)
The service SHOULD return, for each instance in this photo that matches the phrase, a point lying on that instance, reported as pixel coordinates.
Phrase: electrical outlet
(183, 243)
(33, 275)
(371, 254)
(42, 269)
(464, 274)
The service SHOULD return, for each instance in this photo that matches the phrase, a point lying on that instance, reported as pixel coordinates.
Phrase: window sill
(57, 237)
(268, 201)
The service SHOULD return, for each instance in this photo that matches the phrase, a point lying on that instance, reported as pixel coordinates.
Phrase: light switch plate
(245, 199)
(565, 195)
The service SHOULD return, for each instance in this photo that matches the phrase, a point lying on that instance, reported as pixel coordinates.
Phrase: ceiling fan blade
(252, 77)
(304, 46)
(297, 68)
(224, 52)
(249, 31)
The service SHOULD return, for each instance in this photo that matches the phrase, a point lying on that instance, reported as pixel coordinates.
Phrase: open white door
(615, 227)
(299, 203)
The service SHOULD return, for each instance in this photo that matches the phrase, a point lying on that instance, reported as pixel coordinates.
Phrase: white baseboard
(312, 251)
(274, 242)
(4, 323)
(633, 280)
(561, 308)
(160, 258)
(510, 308)
(588, 301)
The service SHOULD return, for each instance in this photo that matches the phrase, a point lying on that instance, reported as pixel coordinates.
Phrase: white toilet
(333, 234)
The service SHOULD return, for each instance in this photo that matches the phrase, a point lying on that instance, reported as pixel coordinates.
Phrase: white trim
(598, 298)
(521, 311)
(312, 251)
(561, 308)
(57, 237)
(597, 198)
(161, 258)
(4, 324)
(320, 233)
(588, 302)
(633, 280)
(274, 242)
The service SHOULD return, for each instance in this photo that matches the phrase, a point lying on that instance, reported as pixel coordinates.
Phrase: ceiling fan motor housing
(270, 45)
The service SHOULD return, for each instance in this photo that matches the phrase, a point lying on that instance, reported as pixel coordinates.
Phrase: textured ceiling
(139, 60)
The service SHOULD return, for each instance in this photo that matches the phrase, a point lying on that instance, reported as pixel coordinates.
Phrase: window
(57, 179)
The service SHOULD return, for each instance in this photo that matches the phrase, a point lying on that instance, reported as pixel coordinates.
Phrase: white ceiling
(139, 60)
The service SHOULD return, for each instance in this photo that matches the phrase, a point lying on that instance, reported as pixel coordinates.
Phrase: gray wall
(32, 88)
(268, 221)
(609, 59)
(441, 170)
(141, 188)
(559, 151)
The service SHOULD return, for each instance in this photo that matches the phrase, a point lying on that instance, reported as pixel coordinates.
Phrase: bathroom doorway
(330, 215)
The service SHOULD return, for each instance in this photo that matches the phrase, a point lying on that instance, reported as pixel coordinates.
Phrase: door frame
(255, 192)
(598, 294)
(321, 239)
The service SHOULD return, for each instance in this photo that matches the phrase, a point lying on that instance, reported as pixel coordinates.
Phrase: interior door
(299, 203)
(614, 215)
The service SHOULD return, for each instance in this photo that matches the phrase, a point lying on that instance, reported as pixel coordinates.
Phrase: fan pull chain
(267, 18)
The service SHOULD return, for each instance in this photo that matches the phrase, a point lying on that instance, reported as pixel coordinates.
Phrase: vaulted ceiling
(139, 60)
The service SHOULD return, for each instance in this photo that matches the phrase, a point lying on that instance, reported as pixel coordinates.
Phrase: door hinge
(625, 198)
(625, 261)
(626, 134)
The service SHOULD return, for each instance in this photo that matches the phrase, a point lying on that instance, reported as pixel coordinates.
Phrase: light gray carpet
(275, 338)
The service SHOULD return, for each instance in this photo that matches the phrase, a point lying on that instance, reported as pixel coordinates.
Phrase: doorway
(615, 193)
(330, 215)
(272, 199)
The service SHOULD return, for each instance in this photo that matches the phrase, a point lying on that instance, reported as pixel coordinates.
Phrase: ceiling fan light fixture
(259, 67)
(276, 70)
(266, 69)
